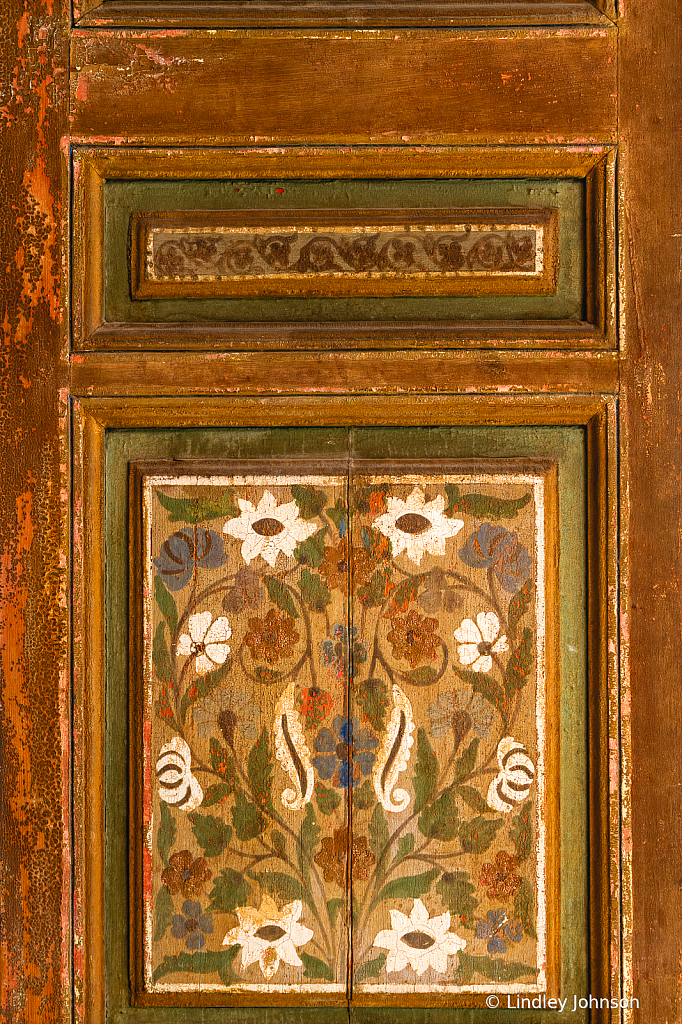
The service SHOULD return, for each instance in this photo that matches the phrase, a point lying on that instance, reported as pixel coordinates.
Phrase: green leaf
(203, 686)
(310, 834)
(230, 890)
(161, 655)
(223, 763)
(405, 848)
(465, 764)
(260, 771)
(409, 887)
(519, 664)
(198, 510)
(371, 968)
(283, 886)
(440, 819)
(477, 835)
(338, 514)
(457, 894)
(215, 794)
(212, 834)
(167, 605)
(314, 967)
(379, 836)
(309, 500)
(422, 676)
(163, 913)
(496, 970)
(488, 688)
(311, 551)
(280, 596)
(199, 964)
(247, 819)
(483, 506)
(267, 676)
(372, 696)
(333, 907)
(314, 591)
(474, 799)
(518, 606)
(426, 772)
(327, 798)
(279, 844)
(523, 907)
(374, 592)
(406, 592)
(167, 833)
(521, 834)
(364, 797)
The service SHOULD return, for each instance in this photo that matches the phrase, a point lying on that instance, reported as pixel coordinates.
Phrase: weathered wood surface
(650, 108)
(488, 86)
(34, 859)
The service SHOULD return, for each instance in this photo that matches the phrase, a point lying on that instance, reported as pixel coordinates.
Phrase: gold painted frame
(94, 417)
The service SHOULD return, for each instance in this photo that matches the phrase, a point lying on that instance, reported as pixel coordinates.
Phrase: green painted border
(122, 198)
(565, 445)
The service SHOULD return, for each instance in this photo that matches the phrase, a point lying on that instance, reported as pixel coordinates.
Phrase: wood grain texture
(405, 373)
(34, 874)
(651, 106)
(487, 86)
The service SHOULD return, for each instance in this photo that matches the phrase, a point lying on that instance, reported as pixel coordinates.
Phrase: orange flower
(335, 565)
(186, 875)
(414, 638)
(500, 878)
(271, 638)
(334, 853)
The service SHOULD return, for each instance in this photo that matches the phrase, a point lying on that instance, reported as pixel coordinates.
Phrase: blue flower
(346, 754)
(335, 652)
(192, 925)
(193, 545)
(493, 546)
(495, 927)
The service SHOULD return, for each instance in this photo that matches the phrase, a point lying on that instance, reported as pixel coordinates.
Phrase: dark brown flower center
(412, 637)
(413, 523)
(270, 637)
(344, 751)
(484, 647)
(270, 932)
(418, 940)
(267, 527)
(191, 924)
(186, 875)
(227, 723)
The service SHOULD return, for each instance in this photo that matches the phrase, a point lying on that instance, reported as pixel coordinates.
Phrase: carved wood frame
(342, 12)
(93, 167)
(596, 414)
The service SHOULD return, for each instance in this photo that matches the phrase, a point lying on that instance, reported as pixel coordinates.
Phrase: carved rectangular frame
(597, 415)
(93, 167)
(343, 12)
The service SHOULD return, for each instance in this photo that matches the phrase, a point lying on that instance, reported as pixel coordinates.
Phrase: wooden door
(420, 238)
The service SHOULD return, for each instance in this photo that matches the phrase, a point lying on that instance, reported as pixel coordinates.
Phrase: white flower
(206, 642)
(419, 941)
(416, 526)
(177, 785)
(477, 643)
(269, 935)
(268, 528)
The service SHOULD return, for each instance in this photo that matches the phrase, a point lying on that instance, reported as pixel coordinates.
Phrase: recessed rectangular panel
(452, 596)
(241, 663)
(350, 252)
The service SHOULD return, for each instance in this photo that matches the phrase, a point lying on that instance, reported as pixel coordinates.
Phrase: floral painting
(344, 734)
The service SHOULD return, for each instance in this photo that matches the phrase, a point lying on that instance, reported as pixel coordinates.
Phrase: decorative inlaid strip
(351, 252)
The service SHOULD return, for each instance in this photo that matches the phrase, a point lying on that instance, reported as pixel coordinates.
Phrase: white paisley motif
(394, 755)
(512, 784)
(292, 752)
